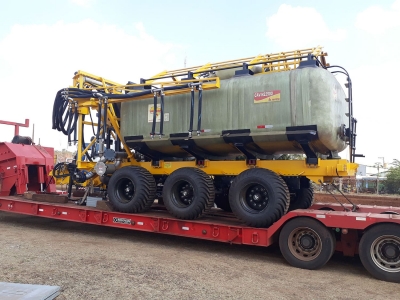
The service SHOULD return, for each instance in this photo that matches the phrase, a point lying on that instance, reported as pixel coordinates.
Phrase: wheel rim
(385, 253)
(254, 198)
(125, 190)
(182, 193)
(304, 243)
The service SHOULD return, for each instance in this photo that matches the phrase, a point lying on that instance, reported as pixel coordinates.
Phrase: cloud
(376, 19)
(38, 60)
(299, 27)
(376, 107)
(84, 3)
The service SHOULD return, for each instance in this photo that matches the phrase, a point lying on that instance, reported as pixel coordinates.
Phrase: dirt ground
(366, 199)
(94, 262)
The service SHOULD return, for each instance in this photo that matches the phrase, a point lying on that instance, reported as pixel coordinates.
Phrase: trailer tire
(131, 189)
(306, 243)
(379, 252)
(259, 197)
(303, 199)
(222, 202)
(188, 193)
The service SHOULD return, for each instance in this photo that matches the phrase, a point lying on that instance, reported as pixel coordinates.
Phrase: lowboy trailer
(307, 237)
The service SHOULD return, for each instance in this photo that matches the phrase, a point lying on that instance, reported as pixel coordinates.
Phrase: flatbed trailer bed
(307, 238)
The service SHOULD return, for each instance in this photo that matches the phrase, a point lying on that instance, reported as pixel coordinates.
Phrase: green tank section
(268, 113)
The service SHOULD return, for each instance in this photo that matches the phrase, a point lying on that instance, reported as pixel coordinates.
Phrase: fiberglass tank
(297, 111)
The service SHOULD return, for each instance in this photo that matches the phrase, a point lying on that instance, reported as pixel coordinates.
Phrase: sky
(43, 42)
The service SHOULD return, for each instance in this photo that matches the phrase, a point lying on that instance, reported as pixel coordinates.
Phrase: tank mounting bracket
(185, 143)
(303, 135)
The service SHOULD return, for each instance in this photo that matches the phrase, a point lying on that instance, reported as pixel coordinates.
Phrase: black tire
(259, 197)
(306, 243)
(188, 193)
(222, 202)
(379, 252)
(131, 189)
(303, 199)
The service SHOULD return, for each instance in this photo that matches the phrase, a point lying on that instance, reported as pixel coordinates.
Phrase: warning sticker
(267, 96)
(150, 112)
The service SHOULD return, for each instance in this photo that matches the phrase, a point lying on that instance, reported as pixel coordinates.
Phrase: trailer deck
(348, 227)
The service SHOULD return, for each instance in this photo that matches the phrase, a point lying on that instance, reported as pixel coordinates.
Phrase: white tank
(297, 111)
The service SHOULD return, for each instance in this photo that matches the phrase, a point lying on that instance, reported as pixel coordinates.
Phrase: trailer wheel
(222, 202)
(131, 189)
(303, 199)
(188, 193)
(259, 197)
(379, 251)
(306, 243)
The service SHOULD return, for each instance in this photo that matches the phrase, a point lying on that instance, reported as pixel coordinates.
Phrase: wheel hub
(307, 241)
(183, 194)
(385, 252)
(128, 189)
(304, 243)
(125, 190)
(390, 251)
(256, 197)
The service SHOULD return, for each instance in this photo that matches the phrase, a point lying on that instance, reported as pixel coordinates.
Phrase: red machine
(24, 166)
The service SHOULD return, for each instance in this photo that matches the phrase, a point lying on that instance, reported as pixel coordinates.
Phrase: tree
(63, 155)
(393, 178)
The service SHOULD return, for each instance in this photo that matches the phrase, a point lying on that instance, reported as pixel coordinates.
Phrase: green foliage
(393, 178)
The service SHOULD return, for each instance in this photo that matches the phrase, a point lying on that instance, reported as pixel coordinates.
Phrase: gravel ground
(93, 262)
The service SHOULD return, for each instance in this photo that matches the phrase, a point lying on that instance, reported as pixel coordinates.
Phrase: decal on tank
(267, 96)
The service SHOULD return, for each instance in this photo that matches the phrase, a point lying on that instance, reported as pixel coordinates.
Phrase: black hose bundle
(65, 113)
(64, 119)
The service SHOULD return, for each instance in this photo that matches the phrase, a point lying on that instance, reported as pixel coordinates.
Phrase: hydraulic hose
(153, 125)
(162, 115)
(65, 121)
(199, 110)
(191, 111)
(62, 115)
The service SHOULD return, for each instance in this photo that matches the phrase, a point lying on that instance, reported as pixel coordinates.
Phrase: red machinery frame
(16, 125)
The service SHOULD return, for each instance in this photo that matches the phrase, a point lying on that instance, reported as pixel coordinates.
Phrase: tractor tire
(303, 199)
(306, 243)
(379, 252)
(259, 197)
(131, 189)
(188, 193)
